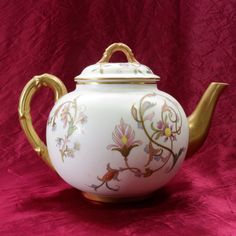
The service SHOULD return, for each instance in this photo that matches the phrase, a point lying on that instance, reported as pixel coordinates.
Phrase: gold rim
(116, 81)
(118, 78)
(96, 83)
(108, 199)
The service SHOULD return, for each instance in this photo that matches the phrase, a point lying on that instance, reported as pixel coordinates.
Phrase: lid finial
(118, 47)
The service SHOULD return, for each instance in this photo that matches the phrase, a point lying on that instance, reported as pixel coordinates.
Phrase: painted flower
(124, 139)
(82, 118)
(111, 174)
(59, 141)
(166, 130)
(70, 152)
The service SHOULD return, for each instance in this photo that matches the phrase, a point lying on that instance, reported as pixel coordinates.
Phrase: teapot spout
(199, 121)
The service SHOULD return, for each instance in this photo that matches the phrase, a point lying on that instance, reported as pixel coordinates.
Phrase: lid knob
(118, 47)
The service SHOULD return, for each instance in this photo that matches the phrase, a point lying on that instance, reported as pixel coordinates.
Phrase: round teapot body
(117, 140)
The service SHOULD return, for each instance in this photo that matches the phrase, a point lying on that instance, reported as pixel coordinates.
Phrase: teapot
(116, 137)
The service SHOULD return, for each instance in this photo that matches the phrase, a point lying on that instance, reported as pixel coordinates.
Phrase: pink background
(188, 43)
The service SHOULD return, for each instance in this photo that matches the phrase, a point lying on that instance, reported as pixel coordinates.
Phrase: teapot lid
(129, 72)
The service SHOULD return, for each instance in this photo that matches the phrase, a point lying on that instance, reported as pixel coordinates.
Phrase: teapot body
(117, 140)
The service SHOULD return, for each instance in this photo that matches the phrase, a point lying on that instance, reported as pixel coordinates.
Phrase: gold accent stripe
(95, 198)
(117, 82)
(119, 78)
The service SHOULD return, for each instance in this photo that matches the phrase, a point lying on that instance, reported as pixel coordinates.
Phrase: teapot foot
(108, 199)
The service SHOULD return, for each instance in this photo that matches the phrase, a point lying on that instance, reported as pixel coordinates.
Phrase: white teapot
(116, 137)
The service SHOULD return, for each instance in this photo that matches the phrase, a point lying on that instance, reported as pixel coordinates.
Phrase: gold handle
(118, 47)
(29, 90)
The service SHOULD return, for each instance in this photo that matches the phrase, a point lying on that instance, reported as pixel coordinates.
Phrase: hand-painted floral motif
(120, 68)
(111, 174)
(123, 137)
(159, 132)
(73, 118)
(164, 130)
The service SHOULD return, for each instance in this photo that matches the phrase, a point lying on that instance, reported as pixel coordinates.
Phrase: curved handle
(118, 47)
(29, 90)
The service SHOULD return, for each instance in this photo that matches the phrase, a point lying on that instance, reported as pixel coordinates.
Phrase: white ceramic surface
(122, 140)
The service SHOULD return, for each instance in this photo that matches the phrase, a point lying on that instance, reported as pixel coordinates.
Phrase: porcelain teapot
(116, 137)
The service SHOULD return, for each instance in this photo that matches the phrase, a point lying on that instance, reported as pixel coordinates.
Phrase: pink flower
(166, 130)
(82, 118)
(124, 139)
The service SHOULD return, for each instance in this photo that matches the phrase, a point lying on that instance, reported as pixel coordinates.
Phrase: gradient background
(188, 43)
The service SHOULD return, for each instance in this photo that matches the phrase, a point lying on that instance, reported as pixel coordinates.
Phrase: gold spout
(199, 121)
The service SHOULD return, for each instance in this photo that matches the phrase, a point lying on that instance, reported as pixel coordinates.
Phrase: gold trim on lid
(131, 72)
(117, 78)
(116, 81)
(119, 82)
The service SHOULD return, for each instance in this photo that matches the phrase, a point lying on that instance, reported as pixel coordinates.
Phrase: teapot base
(108, 199)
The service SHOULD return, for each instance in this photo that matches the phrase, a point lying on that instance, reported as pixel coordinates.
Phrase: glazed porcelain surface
(117, 139)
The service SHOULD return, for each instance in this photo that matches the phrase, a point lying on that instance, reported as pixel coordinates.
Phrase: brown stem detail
(135, 170)
(145, 130)
(171, 113)
(175, 121)
(98, 186)
(113, 189)
(167, 159)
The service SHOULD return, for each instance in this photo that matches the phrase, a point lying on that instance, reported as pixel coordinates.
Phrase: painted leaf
(153, 127)
(71, 128)
(149, 71)
(101, 70)
(74, 104)
(146, 105)
(109, 175)
(166, 118)
(134, 113)
(158, 135)
(139, 71)
(50, 120)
